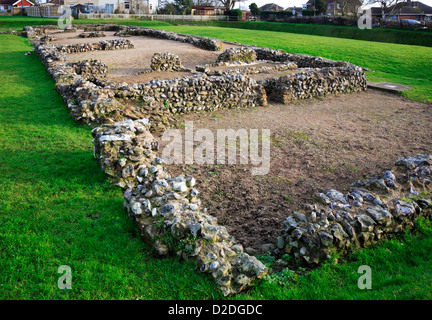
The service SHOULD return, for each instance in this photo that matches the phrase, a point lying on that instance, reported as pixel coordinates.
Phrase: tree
(205, 2)
(320, 6)
(184, 6)
(229, 4)
(253, 7)
(384, 4)
(349, 6)
(166, 7)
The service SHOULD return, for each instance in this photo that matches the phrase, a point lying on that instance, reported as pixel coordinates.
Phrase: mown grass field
(56, 208)
(401, 36)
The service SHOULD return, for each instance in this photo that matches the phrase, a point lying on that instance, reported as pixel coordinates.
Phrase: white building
(129, 6)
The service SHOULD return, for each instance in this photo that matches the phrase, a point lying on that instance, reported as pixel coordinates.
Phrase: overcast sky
(291, 3)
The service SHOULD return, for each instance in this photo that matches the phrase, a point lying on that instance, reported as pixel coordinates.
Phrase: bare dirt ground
(316, 145)
(124, 65)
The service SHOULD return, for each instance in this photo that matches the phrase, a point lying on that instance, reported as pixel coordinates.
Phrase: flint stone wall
(168, 210)
(95, 34)
(166, 61)
(301, 60)
(201, 42)
(315, 83)
(237, 54)
(91, 99)
(90, 69)
(94, 103)
(372, 210)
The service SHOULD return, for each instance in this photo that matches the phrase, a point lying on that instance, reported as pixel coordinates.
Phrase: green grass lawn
(401, 36)
(56, 208)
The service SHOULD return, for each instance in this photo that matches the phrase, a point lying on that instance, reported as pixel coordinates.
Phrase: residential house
(336, 7)
(295, 10)
(9, 4)
(271, 7)
(72, 3)
(207, 10)
(414, 10)
(132, 6)
(53, 2)
(109, 6)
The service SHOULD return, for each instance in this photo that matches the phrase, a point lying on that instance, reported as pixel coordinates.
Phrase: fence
(158, 17)
(17, 11)
(43, 11)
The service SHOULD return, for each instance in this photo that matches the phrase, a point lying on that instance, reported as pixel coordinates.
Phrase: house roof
(294, 8)
(13, 2)
(413, 7)
(376, 10)
(271, 7)
(61, 2)
(24, 1)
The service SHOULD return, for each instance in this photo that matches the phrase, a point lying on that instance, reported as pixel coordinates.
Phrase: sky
(291, 3)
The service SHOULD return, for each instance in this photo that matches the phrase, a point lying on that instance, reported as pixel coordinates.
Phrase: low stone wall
(228, 88)
(168, 210)
(95, 34)
(91, 99)
(46, 39)
(242, 54)
(100, 27)
(90, 69)
(301, 60)
(315, 83)
(201, 42)
(372, 210)
(196, 93)
(162, 61)
(116, 44)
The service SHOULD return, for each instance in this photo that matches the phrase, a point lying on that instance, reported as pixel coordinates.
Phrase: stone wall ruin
(167, 209)
(93, 99)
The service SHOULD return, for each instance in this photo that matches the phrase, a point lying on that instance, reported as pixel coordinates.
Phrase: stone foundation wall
(242, 54)
(225, 89)
(201, 42)
(301, 60)
(168, 210)
(91, 99)
(95, 34)
(116, 44)
(90, 69)
(315, 83)
(165, 61)
(372, 210)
